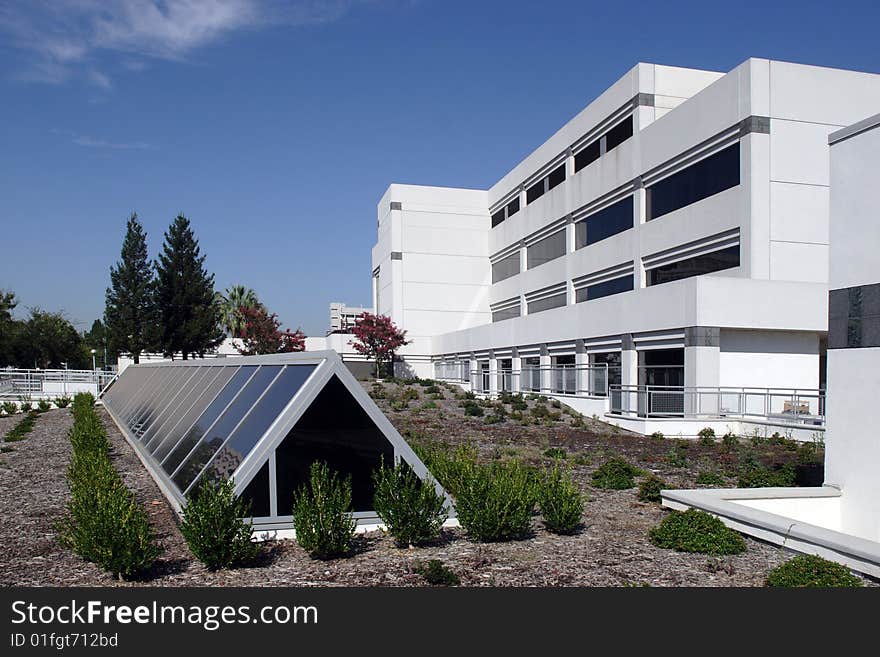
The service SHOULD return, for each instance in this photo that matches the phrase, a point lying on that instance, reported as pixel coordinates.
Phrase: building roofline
(856, 128)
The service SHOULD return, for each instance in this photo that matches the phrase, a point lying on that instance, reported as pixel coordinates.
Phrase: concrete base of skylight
(806, 520)
(362, 528)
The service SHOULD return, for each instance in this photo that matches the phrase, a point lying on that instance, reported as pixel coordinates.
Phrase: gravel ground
(612, 549)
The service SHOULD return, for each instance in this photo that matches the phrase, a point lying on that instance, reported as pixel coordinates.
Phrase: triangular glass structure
(260, 420)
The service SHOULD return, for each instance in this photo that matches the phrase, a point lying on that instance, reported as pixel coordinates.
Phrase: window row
(585, 156)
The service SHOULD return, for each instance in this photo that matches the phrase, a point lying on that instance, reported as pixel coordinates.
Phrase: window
(696, 266)
(698, 181)
(545, 184)
(507, 313)
(619, 134)
(536, 191)
(604, 289)
(556, 177)
(506, 212)
(505, 268)
(545, 250)
(586, 156)
(555, 301)
(614, 219)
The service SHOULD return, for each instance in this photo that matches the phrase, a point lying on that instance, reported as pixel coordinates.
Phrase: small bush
(555, 453)
(657, 435)
(437, 574)
(451, 469)
(399, 405)
(650, 487)
(517, 403)
(555, 403)
(473, 409)
(709, 478)
(321, 518)
(44, 405)
(729, 442)
(63, 401)
(495, 502)
(706, 436)
(696, 531)
(560, 501)
(429, 405)
(21, 430)
(615, 474)
(677, 456)
(214, 528)
(762, 477)
(26, 407)
(540, 412)
(807, 570)
(10, 408)
(410, 507)
(811, 452)
(409, 394)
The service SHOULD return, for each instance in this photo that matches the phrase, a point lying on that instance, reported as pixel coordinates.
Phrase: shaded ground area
(612, 549)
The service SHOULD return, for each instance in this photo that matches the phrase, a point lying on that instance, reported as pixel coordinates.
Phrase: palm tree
(237, 297)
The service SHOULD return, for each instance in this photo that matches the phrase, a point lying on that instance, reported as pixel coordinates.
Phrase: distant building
(342, 317)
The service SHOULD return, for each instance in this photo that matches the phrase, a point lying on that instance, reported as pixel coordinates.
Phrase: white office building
(661, 260)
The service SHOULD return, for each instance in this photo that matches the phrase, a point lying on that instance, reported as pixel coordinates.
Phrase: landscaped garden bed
(612, 548)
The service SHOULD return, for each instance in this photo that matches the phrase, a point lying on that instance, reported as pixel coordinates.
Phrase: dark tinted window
(508, 313)
(605, 223)
(556, 177)
(513, 207)
(505, 268)
(498, 217)
(336, 430)
(698, 181)
(535, 191)
(619, 134)
(586, 156)
(257, 493)
(703, 264)
(604, 289)
(555, 301)
(545, 250)
(252, 428)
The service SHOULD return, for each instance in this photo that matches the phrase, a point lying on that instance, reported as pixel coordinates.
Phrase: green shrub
(710, 478)
(657, 435)
(555, 403)
(729, 442)
(44, 405)
(706, 436)
(409, 394)
(807, 570)
(450, 468)
(540, 411)
(811, 452)
(560, 501)
(762, 477)
(321, 514)
(437, 574)
(26, 406)
(214, 527)
(517, 403)
(10, 408)
(650, 487)
(399, 405)
(473, 409)
(615, 474)
(429, 405)
(21, 430)
(555, 453)
(410, 507)
(696, 531)
(495, 502)
(63, 401)
(677, 456)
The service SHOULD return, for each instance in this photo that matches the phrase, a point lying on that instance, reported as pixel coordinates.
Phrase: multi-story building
(662, 257)
(342, 317)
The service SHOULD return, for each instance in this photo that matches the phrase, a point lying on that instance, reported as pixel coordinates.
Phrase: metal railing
(787, 405)
(580, 380)
(15, 383)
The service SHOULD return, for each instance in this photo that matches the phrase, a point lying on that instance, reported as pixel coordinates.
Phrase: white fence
(47, 384)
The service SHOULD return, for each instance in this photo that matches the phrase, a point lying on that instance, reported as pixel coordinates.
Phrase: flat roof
(856, 128)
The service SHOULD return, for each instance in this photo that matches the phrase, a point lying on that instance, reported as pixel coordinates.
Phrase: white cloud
(63, 38)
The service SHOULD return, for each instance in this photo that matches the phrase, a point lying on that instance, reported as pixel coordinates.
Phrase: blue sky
(276, 126)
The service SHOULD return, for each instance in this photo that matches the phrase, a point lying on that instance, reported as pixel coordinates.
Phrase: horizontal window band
(505, 305)
(699, 247)
(549, 291)
(610, 273)
(604, 201)
(546, 231)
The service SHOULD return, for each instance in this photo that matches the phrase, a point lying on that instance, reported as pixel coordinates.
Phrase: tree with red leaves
(262, 334)
(378, 338)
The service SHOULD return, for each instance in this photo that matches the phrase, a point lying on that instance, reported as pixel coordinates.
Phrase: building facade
(663, 256)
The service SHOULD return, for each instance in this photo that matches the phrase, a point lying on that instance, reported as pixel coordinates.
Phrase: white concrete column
(629, 373)
(493, 375)
(546, 374)
(702, 366)
(516, 371)
(639, 215)
(581, 361)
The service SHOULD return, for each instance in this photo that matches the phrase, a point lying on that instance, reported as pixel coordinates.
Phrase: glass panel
(536, 191)
(702, 264)
(167, 396)
(152, 390)
(614, 219)
(206, 419)
(145, 376)
(498, 217)
(182, 427)
(505, 268)
(336, 430)
(619, 134)
(545, 250)
(556, 177)
(513, 207)
(587, 156)
(179, 405)
(252, 428)
(605, 288)
(555, 301)
(217, 435)
(698, 181)
(257, 493)
(508, 313)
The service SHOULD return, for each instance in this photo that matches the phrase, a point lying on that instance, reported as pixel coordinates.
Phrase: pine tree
(189, 315)
(129, 313)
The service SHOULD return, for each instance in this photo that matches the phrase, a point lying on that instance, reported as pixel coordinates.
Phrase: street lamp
(93, 360)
